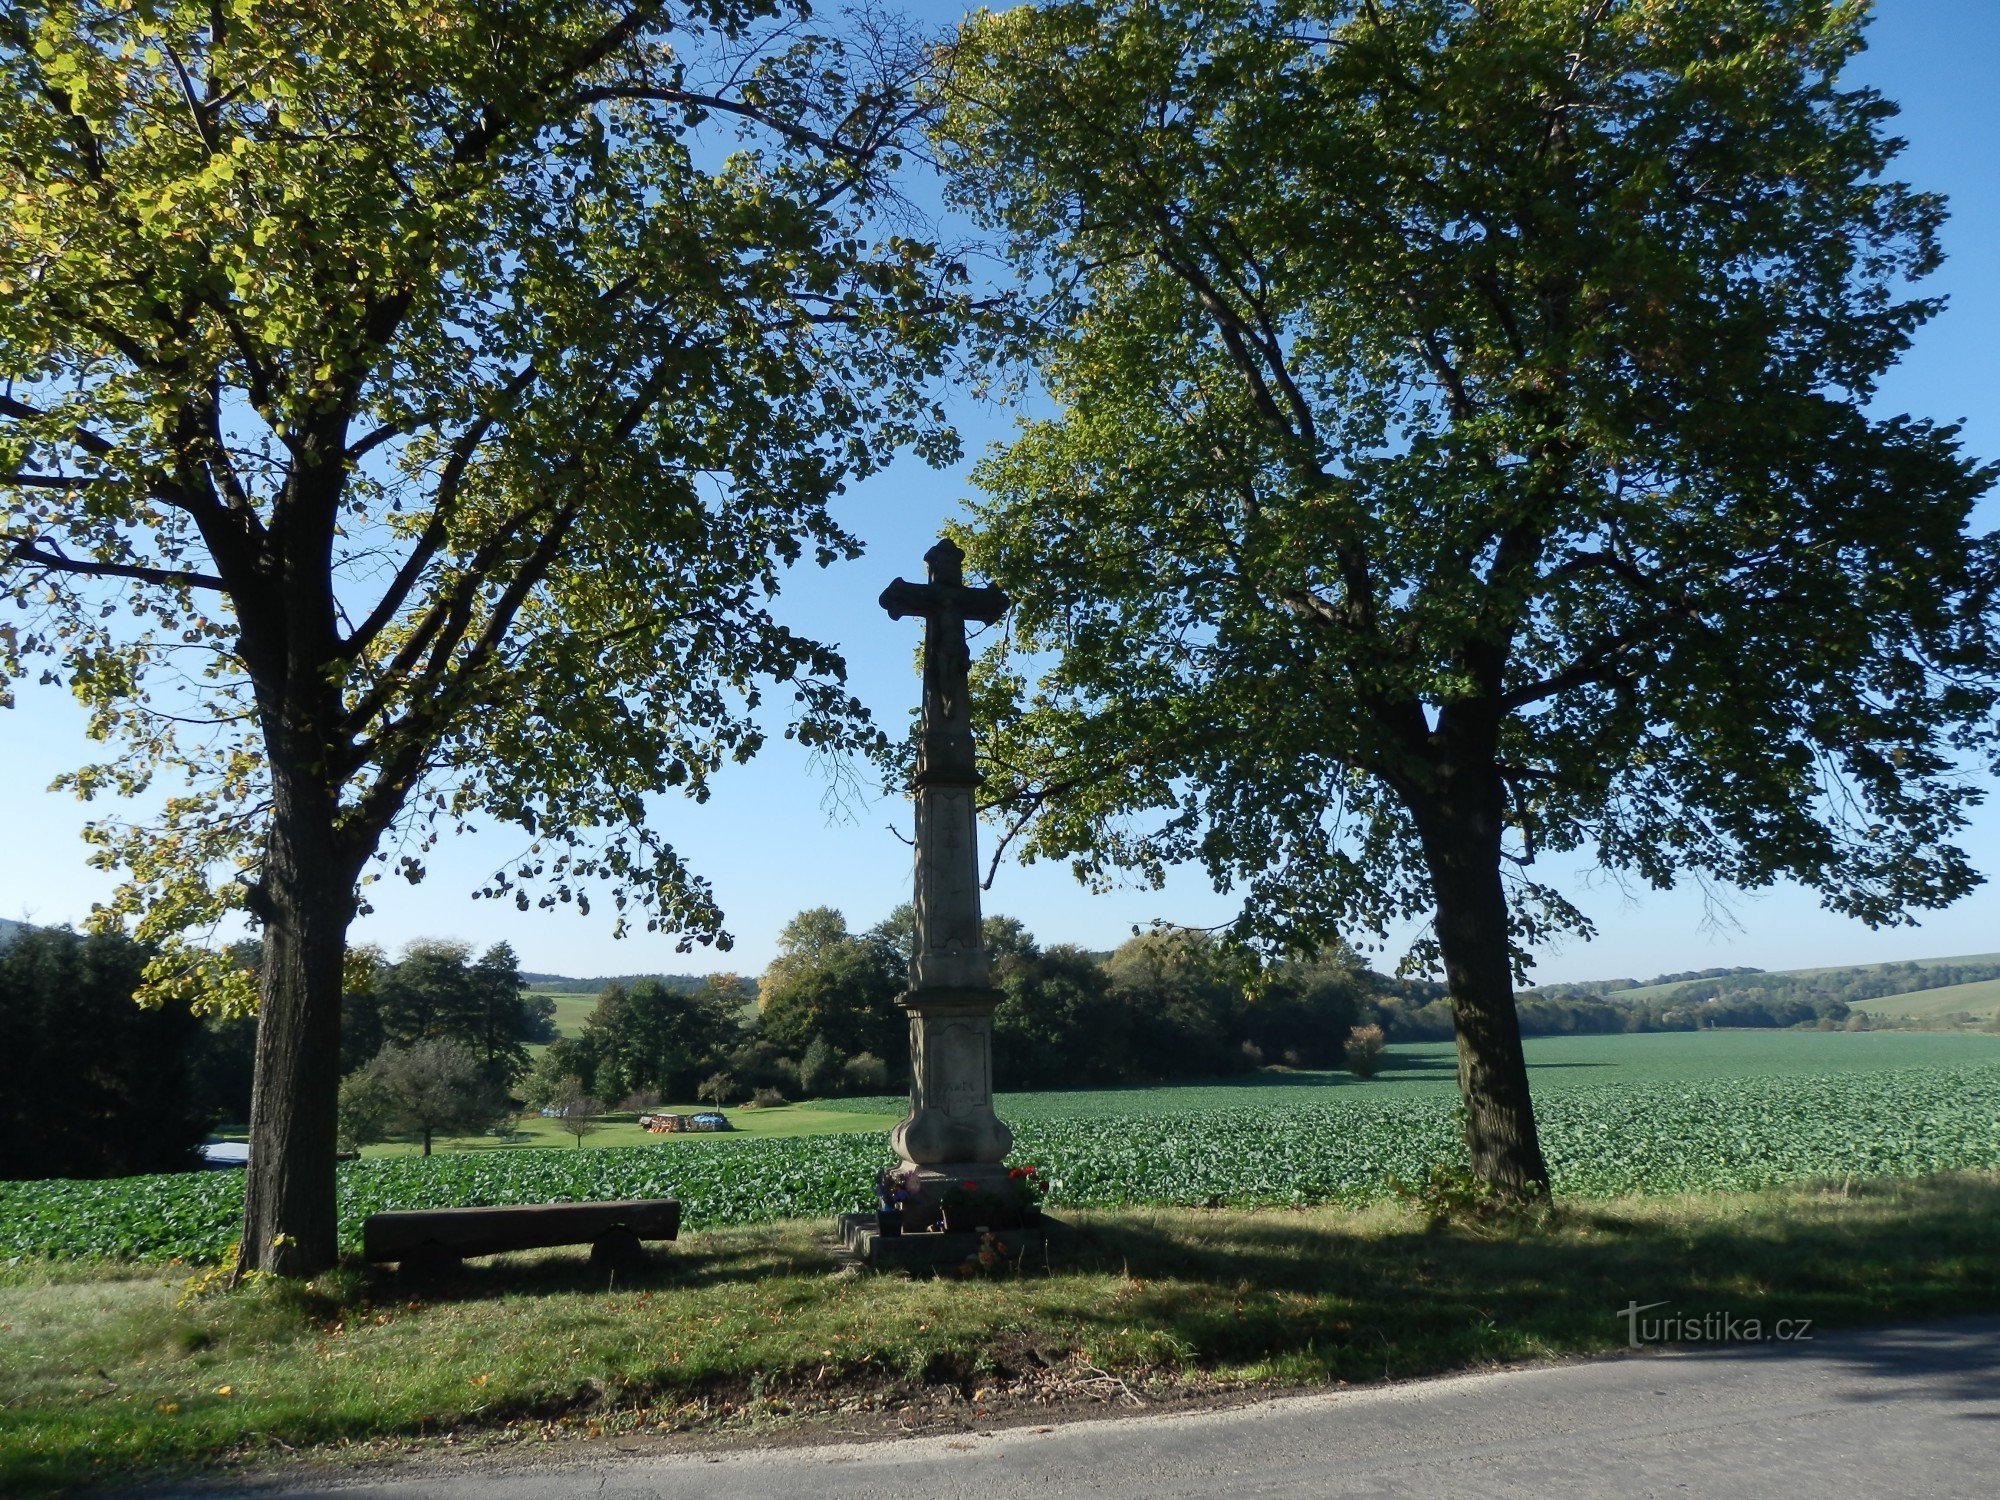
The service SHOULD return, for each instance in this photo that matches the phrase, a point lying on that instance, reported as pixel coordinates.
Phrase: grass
(111, 1372)
(571, 1010)
(1979, 998)
(623, 1129)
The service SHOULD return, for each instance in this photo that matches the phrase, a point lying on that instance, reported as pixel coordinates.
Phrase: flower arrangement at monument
(894, 1188)
(1009, 1204)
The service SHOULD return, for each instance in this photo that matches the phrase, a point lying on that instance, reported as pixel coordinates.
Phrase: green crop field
(1226, 1144)
(1980, 998)
(1554, 1062)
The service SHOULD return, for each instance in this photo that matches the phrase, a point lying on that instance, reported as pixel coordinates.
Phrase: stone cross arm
(931, 600)
(946, 593)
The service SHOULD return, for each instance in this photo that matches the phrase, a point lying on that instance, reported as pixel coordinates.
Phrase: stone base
(862, 1240)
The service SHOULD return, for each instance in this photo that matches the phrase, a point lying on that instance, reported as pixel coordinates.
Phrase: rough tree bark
(306, 901)
(1460, 824)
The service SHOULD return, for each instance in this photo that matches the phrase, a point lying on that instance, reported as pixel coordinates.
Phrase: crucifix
(951, 1134)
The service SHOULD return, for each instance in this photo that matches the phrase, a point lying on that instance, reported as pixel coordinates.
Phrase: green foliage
(90, 1084)
(1449, 1195)
(457, 312)
(654, 1036)
(1364, 1051)
(439, 991)
(575, 1110)
(1059, 1023)
(437, 1086)
(1662, 1137)
(864, 1073)
(828, 985)
(820, 1069)
(1464, 429)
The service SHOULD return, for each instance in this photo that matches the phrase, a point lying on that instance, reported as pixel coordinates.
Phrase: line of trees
(1164, 1005)
(1169, 1004)
(92, 1085)
(436, 1043)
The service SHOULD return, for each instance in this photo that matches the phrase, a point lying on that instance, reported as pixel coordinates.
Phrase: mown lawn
(623, 1129)
(114, 1371)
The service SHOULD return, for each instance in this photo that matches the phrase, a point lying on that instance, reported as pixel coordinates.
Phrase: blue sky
(773, 845)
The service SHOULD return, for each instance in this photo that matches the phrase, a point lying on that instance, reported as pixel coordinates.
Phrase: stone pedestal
(1019, 1248)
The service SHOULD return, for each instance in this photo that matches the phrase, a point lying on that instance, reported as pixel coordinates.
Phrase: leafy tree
(365, 1110)
(1364, 1051)
(1302, 1009)
(560, 1062)
(90, 1084)
(820, 1069)
(1059, 1024)
(652, 1036)
(438, 1086)
(717, 1089)
(864, 1073)
(442, 387)
(575, 1111)
(438, 989)
(1463, 455)
(829, 985)
(1181, 990)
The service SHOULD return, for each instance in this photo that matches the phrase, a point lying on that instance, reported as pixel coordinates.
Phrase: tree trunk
(305, 899)
(1460, 830)
(427, 1140)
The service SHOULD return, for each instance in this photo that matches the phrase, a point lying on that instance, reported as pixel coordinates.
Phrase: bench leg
(617, 1249)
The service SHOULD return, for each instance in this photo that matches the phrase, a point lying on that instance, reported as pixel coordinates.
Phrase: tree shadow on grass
(1304, 1301)
(698, 1261)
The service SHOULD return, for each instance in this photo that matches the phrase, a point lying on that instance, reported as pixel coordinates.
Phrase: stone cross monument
(951, 1135)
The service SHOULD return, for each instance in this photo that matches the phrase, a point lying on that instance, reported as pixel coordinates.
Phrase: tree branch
(59, 563)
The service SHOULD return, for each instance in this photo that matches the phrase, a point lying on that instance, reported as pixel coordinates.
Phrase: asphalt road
(1907, 1412)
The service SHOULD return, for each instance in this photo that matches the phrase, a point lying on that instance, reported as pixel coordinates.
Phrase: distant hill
(10, 930)
(1910, 989)
(1981, 997)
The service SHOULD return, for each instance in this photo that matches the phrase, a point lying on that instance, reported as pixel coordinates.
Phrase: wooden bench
(438, 1239)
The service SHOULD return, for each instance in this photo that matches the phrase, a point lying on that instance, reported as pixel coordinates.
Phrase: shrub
(1364, 1051)
(820, 1069)
(865, 1074)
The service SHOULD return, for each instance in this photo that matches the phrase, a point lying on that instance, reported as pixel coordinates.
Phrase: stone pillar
(951, 1135)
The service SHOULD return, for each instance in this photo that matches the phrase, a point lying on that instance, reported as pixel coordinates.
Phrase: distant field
(571, 1011)
(1420, 1070)
(1980, 998)
(1668, 991)
(1554, 1062)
